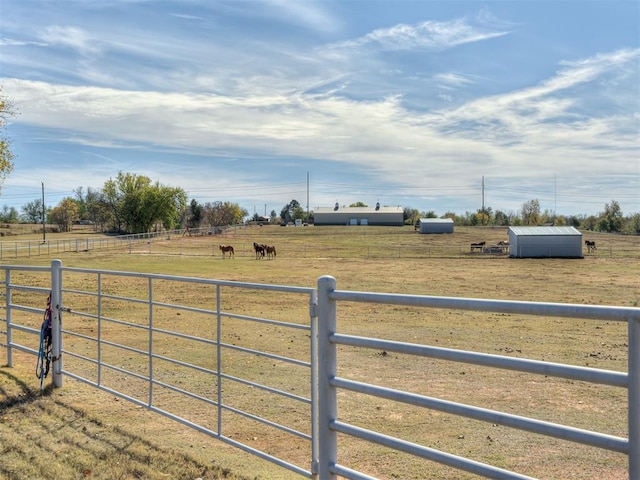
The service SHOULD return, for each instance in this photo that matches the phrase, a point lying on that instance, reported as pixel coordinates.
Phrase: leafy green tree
(410, 215)
(611, 220)
(7, 110)
(9, 214)
(501, 218)
(135, 205)
(195, 214)
(291, 211)
(457, 220)
(632, 225)
(148, 206)
(589, 223)
(358, 204)
(273, 216)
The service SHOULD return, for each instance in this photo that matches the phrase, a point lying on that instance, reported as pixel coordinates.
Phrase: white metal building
(436, 225)
(338, 215)
(545, 242)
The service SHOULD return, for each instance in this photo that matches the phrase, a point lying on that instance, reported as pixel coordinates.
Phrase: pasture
(78, 432)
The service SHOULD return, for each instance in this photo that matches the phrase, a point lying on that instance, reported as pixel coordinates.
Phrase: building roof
(539, 231)
(436, 220)
(358, 210)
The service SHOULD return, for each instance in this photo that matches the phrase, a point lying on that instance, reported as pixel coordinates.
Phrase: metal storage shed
(436, 225)
(392, 216)
(545, 242)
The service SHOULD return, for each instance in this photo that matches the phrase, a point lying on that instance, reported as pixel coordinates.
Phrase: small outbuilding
(545, 242)
(436, 225)
(378, 215)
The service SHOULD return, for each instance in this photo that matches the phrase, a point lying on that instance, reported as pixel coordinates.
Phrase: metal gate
(130, 346)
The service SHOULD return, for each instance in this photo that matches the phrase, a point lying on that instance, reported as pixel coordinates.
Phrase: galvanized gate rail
(329, 337)
(324, 423)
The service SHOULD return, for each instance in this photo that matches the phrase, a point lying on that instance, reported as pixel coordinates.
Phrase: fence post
(7, 280)
(56, 321)
(313, 319)
(326, 363)
(634, 397)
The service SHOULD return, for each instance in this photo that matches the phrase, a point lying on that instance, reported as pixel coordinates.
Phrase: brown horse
(227, 249)
(478, 245)
(271, 251)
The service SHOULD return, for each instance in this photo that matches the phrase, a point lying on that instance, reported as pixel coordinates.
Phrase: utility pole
(44, 225)
(307, 197)
(555, 194)
(483, 200)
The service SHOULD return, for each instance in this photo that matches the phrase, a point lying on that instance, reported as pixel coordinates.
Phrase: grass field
(77, 432)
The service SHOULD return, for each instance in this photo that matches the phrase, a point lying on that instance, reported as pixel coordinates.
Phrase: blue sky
(408, 103)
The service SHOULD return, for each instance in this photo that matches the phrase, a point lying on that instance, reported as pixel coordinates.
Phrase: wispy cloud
(71, 37)
(486, 134)
(425, 35)
(282, 85)
(451, 80)
(11, 42)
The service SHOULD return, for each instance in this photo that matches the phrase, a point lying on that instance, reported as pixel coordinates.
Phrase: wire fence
(207, 241)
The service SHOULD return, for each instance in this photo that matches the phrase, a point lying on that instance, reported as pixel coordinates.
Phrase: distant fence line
(177, 242)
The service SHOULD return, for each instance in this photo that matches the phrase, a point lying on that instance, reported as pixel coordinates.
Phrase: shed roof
(358, 210)
(539, 231)
(436, 220)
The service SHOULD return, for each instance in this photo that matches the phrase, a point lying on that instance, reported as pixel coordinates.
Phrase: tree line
(129, 203)
(132, 203)
(611, 219)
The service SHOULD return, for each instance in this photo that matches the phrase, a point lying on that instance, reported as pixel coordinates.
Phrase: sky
(441, 106)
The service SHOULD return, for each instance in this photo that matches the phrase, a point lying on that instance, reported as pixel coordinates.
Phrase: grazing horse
(504, 244)
(271, 251)
(478, 245)
(591, 245)
(227, 249)
(260, 250)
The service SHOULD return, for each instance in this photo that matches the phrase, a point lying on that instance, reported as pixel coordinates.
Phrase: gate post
(56, 321)
(7, 283)
(634, 397)
(326, 362)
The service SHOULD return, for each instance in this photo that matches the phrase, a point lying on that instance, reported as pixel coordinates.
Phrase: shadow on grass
(43, 436)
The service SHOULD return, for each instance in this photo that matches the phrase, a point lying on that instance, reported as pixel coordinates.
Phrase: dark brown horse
(260, 250)
(478, 245)
(271, 252)
(227, 249)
